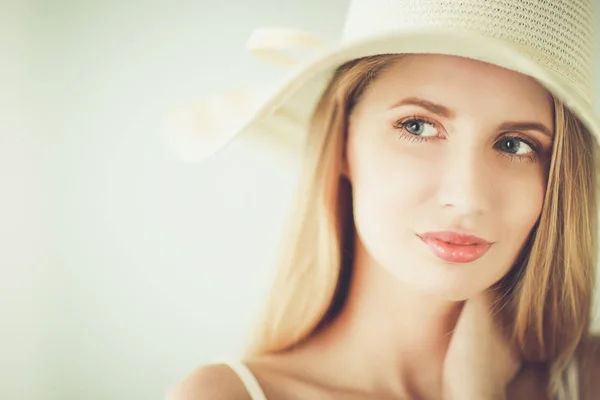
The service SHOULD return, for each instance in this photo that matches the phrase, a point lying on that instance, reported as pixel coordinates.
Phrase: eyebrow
(426, 104)
(449, 114)
(527, 126)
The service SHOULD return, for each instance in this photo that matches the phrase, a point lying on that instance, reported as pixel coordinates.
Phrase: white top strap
(250, 383)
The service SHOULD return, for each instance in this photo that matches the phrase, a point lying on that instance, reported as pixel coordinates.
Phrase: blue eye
(515, 145)
(418, 127)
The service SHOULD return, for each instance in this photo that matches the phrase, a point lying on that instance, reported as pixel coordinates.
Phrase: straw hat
(550, 40)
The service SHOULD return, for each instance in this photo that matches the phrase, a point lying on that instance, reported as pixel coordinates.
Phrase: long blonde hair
(548, 292)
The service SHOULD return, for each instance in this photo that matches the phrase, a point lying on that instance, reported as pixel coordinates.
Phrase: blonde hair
(548, 293)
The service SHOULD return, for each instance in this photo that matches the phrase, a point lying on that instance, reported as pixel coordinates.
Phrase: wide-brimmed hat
(552, 41)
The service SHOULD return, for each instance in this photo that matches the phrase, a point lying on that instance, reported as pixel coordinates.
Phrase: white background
(121, 267)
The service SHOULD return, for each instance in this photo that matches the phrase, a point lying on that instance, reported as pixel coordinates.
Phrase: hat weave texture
(557, 34)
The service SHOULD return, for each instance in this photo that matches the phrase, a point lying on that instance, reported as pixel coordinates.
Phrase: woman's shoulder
(271, 376)
(214, 381)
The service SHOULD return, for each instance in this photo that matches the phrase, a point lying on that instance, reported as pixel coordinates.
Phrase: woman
(444, 241)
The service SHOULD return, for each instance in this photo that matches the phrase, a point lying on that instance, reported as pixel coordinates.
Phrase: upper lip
(455, 238)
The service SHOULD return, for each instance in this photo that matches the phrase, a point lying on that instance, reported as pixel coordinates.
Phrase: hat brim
(280, 114)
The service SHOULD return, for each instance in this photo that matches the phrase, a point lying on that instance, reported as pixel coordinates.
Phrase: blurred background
(122, 267)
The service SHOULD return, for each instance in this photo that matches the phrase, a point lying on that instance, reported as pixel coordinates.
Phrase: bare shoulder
(589, 365)
(210, 382)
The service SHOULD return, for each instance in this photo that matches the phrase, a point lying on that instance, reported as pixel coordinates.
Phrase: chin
(451, 281)
(447, 282)
(449, 293)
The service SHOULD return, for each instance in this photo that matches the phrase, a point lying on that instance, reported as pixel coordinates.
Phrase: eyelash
(401, 124)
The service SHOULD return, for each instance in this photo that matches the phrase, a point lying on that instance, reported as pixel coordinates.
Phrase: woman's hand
(479, 363)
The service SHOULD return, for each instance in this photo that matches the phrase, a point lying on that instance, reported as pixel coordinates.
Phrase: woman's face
(448, 159)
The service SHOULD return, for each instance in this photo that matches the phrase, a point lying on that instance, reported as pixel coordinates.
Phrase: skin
(470, 175)
(457, 175)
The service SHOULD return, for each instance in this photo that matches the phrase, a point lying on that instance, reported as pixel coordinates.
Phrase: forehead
(464, 85)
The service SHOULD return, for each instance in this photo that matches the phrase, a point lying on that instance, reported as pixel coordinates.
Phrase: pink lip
(455, 247)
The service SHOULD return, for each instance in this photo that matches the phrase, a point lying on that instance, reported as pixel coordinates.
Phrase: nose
(466, 182)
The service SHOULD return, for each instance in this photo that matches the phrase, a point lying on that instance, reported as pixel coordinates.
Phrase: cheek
(519, 208)
(516, 207)
(388, 184)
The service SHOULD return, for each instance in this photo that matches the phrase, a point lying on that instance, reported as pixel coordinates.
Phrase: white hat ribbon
(199, 129)
(283, 47)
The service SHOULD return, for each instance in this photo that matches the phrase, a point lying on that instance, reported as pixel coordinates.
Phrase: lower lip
(455, 253)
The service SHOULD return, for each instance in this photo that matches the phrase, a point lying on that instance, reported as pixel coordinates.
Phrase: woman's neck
(388, 337)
